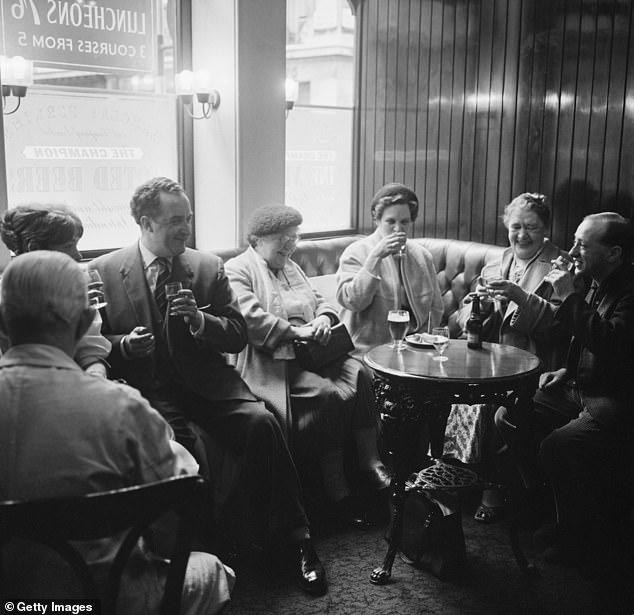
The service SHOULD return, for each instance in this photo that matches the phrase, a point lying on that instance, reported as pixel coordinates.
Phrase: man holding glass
(173, 352)
(583, 411)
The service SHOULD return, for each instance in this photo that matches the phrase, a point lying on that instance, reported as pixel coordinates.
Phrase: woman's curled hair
(38, 226)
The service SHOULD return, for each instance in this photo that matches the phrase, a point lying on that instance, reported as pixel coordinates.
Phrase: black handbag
(313, 356)
(432, 540)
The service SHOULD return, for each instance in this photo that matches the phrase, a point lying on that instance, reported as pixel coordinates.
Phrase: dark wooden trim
(184, 123)
(471, 103)
(3, 169)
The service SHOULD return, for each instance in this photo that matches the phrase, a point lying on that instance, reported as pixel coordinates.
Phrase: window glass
(320, 59)
(99, 117)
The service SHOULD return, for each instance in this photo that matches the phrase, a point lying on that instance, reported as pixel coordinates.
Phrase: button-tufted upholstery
(458, 263)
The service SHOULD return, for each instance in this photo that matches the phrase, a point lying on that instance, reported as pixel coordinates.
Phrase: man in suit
(172, 351)
(585, 409)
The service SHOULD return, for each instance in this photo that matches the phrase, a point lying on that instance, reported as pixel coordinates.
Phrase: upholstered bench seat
(458, 263)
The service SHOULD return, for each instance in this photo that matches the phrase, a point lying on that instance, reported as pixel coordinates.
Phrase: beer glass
(172, 289)
(398, 324)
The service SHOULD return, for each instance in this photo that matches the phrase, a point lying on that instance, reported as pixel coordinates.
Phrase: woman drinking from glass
(385, 272)
(55, 227)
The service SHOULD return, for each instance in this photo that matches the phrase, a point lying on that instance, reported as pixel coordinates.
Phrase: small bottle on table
(474, 324)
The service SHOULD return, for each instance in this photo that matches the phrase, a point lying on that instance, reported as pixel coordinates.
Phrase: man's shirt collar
(37, 355)
(148, 257)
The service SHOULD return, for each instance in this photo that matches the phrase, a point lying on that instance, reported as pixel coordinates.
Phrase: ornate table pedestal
(414, 391)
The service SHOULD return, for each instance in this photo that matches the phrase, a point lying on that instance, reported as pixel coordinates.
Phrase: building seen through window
(320, 59)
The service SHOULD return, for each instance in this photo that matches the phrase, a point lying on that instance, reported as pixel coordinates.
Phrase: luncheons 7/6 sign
(96, 35)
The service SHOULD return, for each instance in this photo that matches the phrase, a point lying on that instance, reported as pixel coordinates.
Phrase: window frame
(355, 216)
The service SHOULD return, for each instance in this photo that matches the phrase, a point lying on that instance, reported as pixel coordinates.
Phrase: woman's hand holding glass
(502, 290)
(96, 297)
(391, 244)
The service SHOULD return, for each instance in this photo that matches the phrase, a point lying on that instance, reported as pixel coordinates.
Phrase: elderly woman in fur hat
(384, 272)
(319, 410)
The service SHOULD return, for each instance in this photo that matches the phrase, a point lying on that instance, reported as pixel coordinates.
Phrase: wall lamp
(291, 88)
(16, 74)
(189, 84)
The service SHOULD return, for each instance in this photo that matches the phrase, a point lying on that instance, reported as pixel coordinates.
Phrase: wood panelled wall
(472, 102)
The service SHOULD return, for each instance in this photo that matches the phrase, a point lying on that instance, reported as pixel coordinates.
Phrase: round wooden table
(413, 390)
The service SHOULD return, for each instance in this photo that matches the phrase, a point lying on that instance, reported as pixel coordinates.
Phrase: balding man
(65, 433)
(585, 410)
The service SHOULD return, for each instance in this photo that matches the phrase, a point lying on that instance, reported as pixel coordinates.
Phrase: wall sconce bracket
(17, 75)
(209, 101)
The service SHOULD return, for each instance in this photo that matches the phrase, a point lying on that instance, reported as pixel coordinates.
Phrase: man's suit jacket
(200, 363)
(601, 354)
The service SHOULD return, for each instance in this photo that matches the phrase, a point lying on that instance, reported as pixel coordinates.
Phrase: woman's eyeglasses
(283, 238)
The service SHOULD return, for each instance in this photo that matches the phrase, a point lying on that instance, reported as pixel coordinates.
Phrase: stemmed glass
(96, 297)
(440, 341)
(491, 294)
(398, 324)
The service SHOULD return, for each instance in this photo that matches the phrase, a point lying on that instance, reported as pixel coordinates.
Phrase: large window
(99, 118)
(320, 59)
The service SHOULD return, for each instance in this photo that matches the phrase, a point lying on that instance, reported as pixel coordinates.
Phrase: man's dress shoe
(309, 572)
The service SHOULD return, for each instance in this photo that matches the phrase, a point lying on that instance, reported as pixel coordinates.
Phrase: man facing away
(66, 433)
(584, 412)
(173, 352)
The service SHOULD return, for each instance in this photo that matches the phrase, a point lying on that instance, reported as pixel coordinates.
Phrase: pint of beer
(398, 323)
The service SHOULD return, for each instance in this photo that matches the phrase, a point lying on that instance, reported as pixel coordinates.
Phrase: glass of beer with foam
(398, 324)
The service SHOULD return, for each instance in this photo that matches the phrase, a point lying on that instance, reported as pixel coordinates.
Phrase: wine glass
(492, 294)
(398, 323)
(96, 297)
(440, 340)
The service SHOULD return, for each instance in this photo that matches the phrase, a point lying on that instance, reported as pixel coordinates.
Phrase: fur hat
(271, 219)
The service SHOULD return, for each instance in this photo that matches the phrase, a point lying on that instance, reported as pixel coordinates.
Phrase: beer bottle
(474, 324)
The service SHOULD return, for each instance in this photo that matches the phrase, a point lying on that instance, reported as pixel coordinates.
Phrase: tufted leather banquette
(458, 263)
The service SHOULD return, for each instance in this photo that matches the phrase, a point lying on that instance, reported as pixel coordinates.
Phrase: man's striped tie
(163, 278)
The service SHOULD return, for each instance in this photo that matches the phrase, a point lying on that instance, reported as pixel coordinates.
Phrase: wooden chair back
(56, 522)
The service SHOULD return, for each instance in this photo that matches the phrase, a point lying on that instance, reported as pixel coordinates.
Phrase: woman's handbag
(432, 537)
(313, 356)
